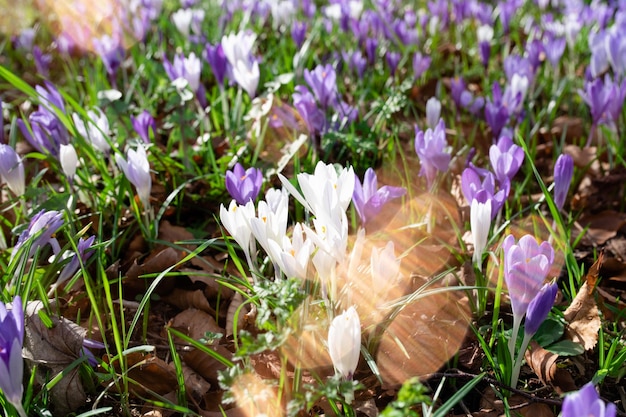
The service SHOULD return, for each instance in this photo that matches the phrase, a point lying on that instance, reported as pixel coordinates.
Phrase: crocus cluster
(11, 363)
(243, 66)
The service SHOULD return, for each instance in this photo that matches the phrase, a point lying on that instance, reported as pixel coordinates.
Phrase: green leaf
(550, 331)
(566, 348)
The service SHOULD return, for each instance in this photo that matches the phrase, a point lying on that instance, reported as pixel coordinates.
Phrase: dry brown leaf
(175, 234)
(195, 385)
(195, 323)
(148, 373)
(491, 406)
(603, 226)
(51, 351)
(206, 366)
(235, 313)
(155, 263)
(583, 316)
(184, 299)
(543, 364)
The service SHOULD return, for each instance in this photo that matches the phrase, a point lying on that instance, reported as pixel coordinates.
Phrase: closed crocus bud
(12, 169)
(11, 363)
(480, 222)
(69, 161)
(344, 342)
(586, 402)
(539, 308)
(563, 172)
(433, 112)
(137, 169)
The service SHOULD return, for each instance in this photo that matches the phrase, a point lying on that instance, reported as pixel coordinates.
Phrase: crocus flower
(506, 159)
(69, 161)
(95, 128)
(111, 52)
(214, 55)
(41, 229)
(12, 170)
(485, 35)
(420, 64)
(236, 221)
(46, 132)
(482, 190)
(11, 363)
(244, 185)
(563, 172)
(368, 199)
(430, 147)
(323, 83)
(186, 68)
(313, 116)
(182, 20)
(393, 59)
(137, 170)
(526, 265)
(480, 222)
(49, 97)
(298, 32)
(142, 124)
(587, 402)
(244, 67)
(344, 342)
(539, 308)
(83, 253)
(433, 112)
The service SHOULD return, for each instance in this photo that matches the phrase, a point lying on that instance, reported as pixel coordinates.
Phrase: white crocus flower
(296, 254)
(480, 222)
(69, 161)
(244, 68)
(12, 170)
(344, 342)
(95, 129)
(235, 220)
(137, 170)
(182, 20)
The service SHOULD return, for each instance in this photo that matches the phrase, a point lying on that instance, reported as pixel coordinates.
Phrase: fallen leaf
(583, 316)
(195, 323)
(205, 365)
(147, 373)
(236, 316)
(189, 299)
(543, 364)
(603, 226)
(51, 350)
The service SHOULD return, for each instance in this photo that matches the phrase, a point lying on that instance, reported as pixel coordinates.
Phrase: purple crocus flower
(42, 61)
(244, 185)
(83, 253)
(534, 49)
(457, 88)
(111, 52)
(49, 97)
(137, 169)
(421, 63)
(48, 133)
(482, 190)
(485, 35)
(587, 402)
(430, 147)
(539, 308)
(371, 45)
(298, 32)
(563, 172)
(12, 170)
(306, 105)
(368, 199)
(323, 83)
(393, 59)
(214, 55)
(506, 159)
(526, 265)
(142, 124)
(554, 48)
(496, 113)
(11, 363)
(41, 229)
(616, 49)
